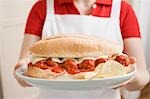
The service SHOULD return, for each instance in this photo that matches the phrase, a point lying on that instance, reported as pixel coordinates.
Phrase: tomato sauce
(72, 67)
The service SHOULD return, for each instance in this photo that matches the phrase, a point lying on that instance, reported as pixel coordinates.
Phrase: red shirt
(128, 21)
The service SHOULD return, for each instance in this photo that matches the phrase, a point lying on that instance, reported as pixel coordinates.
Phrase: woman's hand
(128, 81)
(133, 47)
(20, 81)
(138, 82)
(28, 41)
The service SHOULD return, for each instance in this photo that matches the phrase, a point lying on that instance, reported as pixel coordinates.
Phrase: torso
(107, 28)
(127, 18)
(87, 25)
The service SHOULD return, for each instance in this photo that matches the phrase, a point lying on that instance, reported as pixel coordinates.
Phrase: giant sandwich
(77, 57)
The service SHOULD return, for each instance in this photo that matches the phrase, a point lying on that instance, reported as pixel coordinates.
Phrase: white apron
(107, 28)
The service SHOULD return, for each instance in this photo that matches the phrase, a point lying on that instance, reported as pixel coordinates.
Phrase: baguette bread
(78, 54)
(75, 46)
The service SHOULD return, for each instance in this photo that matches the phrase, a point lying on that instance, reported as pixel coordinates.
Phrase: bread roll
(74, 46)
(59, 48)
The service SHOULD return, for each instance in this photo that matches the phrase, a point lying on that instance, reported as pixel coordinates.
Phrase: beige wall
(12, 19)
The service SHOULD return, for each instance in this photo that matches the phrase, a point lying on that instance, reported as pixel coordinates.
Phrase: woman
(109, 19)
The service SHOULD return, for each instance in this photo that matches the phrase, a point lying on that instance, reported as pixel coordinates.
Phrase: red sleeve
(36, 18)
(128, 22)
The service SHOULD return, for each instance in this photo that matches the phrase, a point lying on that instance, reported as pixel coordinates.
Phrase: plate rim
(70, 80)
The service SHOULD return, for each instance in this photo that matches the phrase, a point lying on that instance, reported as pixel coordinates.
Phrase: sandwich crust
(74, 46)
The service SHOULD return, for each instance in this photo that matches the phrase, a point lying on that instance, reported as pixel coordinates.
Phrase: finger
(116, 87)
(17, 66)
(22, 82)
(123, 84)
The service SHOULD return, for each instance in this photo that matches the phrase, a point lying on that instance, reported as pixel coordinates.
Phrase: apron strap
(116, 7)
(50, 7)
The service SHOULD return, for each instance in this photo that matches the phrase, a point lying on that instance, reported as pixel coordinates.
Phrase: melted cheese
(110, 68)
(81, 59)
(104, 56)
(90, 75)
(60, 61)
(35, 59)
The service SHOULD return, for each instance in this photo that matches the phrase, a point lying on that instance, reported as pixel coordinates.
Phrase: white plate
(95, 84)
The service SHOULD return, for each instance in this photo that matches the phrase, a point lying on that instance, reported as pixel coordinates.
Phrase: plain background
(13, 14)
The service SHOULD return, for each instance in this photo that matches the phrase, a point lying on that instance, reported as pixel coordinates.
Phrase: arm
(33, 32)
(28, 41)
(133, 47)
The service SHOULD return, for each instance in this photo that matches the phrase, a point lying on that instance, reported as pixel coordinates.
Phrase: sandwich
(77, 57)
